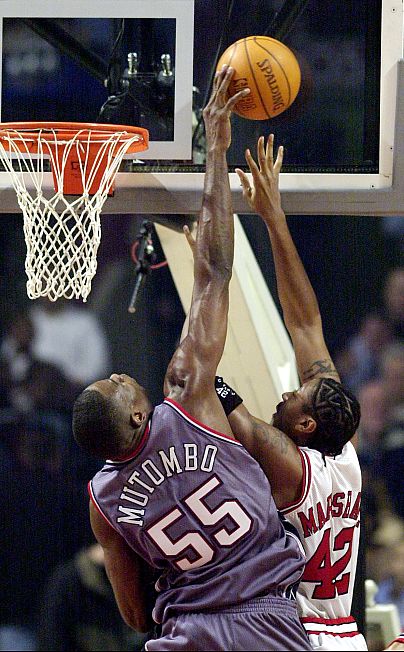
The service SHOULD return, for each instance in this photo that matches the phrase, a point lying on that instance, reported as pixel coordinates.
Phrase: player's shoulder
(347, 459)
(312, 457)
(338, 468)
(174, 407)
(348, 454)
(167, 416)
(169, 409)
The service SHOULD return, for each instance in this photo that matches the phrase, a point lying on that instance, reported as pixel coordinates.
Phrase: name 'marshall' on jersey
(339, 505)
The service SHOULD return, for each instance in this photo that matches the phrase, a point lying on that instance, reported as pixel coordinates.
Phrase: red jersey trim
(306, 483)
(344, 627)
(329, 621)
(340, 634)
(96, 505)
(178, 408)
(399, 639)
(137, 450)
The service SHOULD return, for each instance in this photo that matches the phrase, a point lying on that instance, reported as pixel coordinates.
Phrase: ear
(306, 424)
(137, 418)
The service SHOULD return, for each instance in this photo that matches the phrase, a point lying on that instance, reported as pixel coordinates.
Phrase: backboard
(151, 63)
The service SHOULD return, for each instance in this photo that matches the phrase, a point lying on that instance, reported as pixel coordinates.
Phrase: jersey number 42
(320, 569)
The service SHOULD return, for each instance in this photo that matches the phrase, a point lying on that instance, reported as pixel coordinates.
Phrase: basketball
(271, 71)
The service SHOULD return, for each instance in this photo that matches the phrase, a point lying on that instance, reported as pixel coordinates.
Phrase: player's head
(321, 414)
(109, 414)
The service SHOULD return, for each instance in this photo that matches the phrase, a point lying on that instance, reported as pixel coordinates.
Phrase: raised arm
(190, 375)
(277, 454)
(299, 304)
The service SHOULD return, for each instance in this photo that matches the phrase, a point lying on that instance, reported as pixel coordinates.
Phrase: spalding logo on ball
(269, 69)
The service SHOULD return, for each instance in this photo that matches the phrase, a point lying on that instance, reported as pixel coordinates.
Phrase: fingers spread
(261, 155)
(236, 98)
(226, 74)
(217, 83)
(279, 160)
(220, 91)
(219, 76)
(269, 152)
(243, 178)
(245, 184)
(252, 165)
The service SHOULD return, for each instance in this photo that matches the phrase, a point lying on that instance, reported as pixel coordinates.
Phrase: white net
(62, 233)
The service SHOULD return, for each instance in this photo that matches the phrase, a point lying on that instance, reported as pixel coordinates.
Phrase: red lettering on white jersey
(327, 517)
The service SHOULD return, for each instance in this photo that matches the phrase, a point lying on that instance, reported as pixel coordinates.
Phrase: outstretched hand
(263, 194)
(217, 112)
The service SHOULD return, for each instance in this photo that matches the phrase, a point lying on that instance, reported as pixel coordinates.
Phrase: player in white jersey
(327, 517)
(306, 451)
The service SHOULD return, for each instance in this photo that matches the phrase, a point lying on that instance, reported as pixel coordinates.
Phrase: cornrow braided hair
(337, 414)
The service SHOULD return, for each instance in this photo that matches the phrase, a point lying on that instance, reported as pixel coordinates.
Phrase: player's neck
(139, 433)
(137, 436)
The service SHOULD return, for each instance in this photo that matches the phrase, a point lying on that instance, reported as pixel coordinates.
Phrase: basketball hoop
(63, 232)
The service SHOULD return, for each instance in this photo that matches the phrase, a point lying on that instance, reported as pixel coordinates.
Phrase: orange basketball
(269, 69)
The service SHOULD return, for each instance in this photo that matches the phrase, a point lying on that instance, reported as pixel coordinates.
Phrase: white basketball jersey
(327, 518)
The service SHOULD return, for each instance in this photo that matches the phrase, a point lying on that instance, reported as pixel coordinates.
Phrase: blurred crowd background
(55, 594)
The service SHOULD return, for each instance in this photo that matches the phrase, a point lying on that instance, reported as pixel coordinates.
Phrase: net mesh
(63, 233)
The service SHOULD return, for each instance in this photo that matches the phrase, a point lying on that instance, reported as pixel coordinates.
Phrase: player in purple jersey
(306, 452)
(178, 492)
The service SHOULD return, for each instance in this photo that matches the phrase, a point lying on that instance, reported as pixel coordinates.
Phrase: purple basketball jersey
(194, 504)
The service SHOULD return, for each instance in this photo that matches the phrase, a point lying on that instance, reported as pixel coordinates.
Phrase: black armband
(227, 396)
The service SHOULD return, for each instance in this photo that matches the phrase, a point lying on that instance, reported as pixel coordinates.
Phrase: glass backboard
(151, 63)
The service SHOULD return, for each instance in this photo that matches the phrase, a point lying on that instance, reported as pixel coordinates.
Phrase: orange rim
(69, 130)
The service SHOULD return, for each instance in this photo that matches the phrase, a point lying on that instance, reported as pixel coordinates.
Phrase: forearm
(299, 304)
(277, 455)
(126, 571)
(215, 239)
(130, 602)
(296, 295)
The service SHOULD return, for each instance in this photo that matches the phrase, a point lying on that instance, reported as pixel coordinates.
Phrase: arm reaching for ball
(299, 303)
